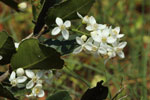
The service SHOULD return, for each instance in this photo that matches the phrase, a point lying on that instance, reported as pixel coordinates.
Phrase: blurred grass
(133, 16)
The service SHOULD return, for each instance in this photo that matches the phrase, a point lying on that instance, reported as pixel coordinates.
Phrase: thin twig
(123, 97)
(4, 76)
(118, 93)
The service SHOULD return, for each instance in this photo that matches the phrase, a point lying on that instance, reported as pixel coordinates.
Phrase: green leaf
(4, 92)
(61, 95)
(64, 47)
(67, 10)
(33, 55)
(7, 48)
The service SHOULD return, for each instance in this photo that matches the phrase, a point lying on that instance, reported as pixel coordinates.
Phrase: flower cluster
(34, 82)
(100, 39)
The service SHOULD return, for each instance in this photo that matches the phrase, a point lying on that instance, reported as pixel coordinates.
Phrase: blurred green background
(83, 70)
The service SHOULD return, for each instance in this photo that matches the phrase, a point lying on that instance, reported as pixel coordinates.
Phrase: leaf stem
(80, 32)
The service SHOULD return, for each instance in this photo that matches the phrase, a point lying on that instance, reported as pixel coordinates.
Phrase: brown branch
(4, 76)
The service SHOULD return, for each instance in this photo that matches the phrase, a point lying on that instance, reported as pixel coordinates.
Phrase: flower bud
(1, 57)
(22, 6)
(20, 71)
(84, 37)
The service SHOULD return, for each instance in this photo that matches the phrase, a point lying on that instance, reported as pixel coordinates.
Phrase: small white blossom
(62, 27)
(93, 26)
(16, 45)
(102, 36)
(37, 91)
(22, 6)
(1, 57)
(84, 45)
(20, 71)
(117, 49)
(85, 19)
(34, 78)
(14, 81)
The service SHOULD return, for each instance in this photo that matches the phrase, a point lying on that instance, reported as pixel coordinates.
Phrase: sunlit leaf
(33, 55)
(68, 10)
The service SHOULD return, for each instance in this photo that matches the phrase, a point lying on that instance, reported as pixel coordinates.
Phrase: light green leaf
(7, 48)
(67, 10)
(61, 95)
(4, 92)
(33, 55)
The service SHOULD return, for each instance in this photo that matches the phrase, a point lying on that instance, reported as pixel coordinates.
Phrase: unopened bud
(22, 6)
(1, 57)
(84, 37)
(20, 71)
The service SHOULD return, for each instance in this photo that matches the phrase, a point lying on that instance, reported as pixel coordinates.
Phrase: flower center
(115, 32)
(94, 48)
(95, 26)
(104, 39)
(118, 50)
(34, 79)
(37, 90)
(62, 27)
(14, 82)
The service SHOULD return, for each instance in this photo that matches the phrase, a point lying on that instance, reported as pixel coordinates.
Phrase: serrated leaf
(7, 48)
(68, 10)
(33, 55)
(4, 92)
(61, 95)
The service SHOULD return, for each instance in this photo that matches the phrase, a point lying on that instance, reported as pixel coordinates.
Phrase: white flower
(16, 45)
(62, 27)
(115, 33)
(1, 57)
(85, 19)
(103, 49)
(93, 26)
(22, 6)
(117, 49)
(37, 91)
(34, 78)
(14, 81)
(83, 45)
(20, 71)
(102, 36)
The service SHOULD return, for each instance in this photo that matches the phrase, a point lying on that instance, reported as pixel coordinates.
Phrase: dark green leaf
(33, 55)
(7, 48)
(4, 92)
(11, 3)
(61, 95)
(64, 47)
(99, 92)
(68, 10)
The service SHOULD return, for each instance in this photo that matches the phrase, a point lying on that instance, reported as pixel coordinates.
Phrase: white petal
(79, 40)
(41, 93)
(92, 20)
(56, 31)
(121, 54)
(111, 39)
(79, 15)
(21, 79)
(65, 34)
(102, 50)
(88, 46)
(77, 50)
(30, 84)
(120, 35)
(16, 45)
(89, 28)
(117, 29)
(12, 76)
(105, 32)
(122, 44)
(67, 23)
(29, 73)
(59, 21)
(39, 74)
(101, 26)
(95, 36)
(90, 40)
